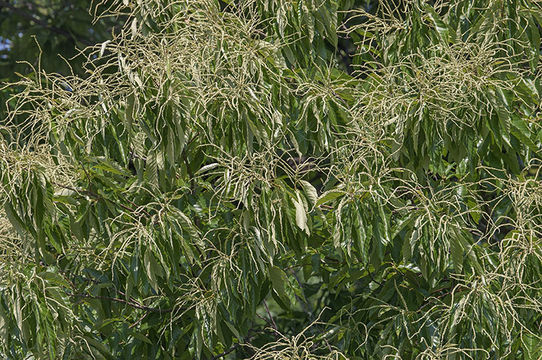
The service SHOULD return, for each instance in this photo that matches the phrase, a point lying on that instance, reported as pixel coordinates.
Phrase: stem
(129, 303)
(270, 317)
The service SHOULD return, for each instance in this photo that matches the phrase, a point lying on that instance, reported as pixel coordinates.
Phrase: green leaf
(519, 128)
(440, 26)
(457, 253)
(532, 346)
(329, 196)
(54, 278)
(279, 281)
(310, 192)
(308, 20)
(14, 219)
(301, 214)
(206, 168)
(153, 269)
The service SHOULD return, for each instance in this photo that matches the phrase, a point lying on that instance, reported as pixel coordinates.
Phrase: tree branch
(234, 347)
(129, 303)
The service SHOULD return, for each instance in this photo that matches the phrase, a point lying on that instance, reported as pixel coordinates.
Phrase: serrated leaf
(279, 280)
(54, 278)
(14, 219)
(300, 214)
(310, 192)
(308, 20)
(152, 268)
(206, 168)
(328, 196)
(440, 26)
(457, 254)
(281, 20)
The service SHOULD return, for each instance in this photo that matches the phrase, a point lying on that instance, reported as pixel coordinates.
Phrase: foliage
(47, 34)
(51, 30)
(302, 179)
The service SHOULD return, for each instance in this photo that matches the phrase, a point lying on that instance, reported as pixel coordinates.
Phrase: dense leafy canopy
(302, 179)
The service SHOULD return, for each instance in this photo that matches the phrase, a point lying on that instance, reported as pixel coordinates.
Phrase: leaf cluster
(301, 179)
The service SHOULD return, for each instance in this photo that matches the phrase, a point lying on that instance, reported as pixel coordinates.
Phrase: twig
(126, 302)
(237, 345)
(270, 317)
(233, 348)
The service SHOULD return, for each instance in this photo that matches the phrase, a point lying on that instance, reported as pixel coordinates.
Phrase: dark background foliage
(60, 27)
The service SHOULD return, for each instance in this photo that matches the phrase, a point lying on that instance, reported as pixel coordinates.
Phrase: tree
(307, 179)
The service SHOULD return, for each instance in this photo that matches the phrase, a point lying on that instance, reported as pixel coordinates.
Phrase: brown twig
(270, 317)
(240, 344)
(233, 348)
(126, 302)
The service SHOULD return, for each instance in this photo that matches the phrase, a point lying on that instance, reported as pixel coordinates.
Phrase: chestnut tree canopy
(280, 179)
